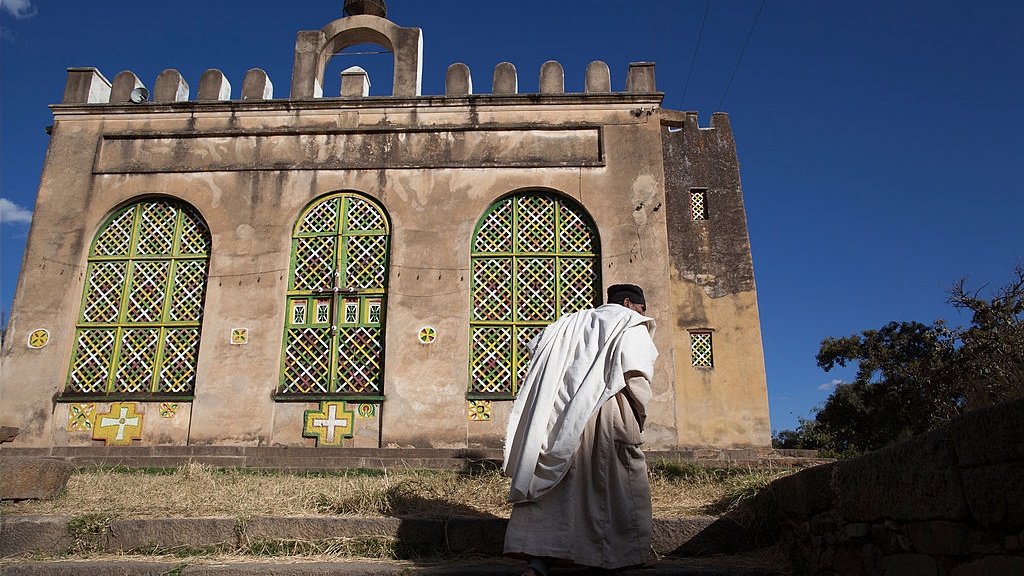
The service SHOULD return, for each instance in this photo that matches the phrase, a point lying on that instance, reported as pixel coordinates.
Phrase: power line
(707, 8)
(742, 52)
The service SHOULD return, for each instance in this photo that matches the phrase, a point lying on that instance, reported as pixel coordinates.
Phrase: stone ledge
(312, 459)
(24, 478)
(22, 535)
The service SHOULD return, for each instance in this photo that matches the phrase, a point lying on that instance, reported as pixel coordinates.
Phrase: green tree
(912, 377)
(990, 358)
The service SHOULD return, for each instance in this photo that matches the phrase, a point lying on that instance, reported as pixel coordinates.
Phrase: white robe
(579, 480)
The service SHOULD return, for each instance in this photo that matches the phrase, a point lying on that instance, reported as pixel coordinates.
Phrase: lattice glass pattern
(535, 281)
(179, 372)
(492, 292)
(700, 348)
(576, 282)
(103, 291)
(307, 361)
(314, 263)
(116, 237)
(359, 360)
(321, 218)
(535, 216)
(575, 235)
(365, 258)
(496, 234)
(363, 216)
(138, 356)
(193, 235)
(489, 360)
(157, 223)
(147, 291)
(340, 242)
(138, 332)
(187, 291)
(91, 368)
(534, 258)
(698, 208)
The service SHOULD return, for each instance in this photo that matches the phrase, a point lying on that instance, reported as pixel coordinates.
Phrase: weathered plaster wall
(712, 281)
(249, 170)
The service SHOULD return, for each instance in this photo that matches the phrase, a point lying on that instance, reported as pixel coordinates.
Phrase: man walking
(580, 490)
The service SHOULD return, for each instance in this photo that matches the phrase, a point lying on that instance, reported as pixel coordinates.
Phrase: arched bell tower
(364, 23)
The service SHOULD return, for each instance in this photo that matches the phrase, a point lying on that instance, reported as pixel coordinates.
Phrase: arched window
(334, 329)
(138, 333)
(535, 257)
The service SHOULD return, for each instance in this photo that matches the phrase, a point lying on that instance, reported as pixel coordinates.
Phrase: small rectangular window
(351, 311)
(299, 312)
(698, 204)
(373, 314)
(700, 348)
(323, 311)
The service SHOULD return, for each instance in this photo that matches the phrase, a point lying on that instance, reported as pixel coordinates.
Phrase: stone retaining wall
(947, 502)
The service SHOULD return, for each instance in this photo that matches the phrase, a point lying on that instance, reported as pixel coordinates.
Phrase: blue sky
(881, 142)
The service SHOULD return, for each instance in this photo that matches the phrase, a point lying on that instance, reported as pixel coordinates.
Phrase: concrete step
(311, 459)
(461, 545)
(22, 536)
(722, 566)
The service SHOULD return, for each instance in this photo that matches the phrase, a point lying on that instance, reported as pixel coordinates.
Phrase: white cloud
(11, 213)
(829, 386)
(20, 9)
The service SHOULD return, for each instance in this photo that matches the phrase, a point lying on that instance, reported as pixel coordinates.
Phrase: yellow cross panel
(331, 424)
(119, 426)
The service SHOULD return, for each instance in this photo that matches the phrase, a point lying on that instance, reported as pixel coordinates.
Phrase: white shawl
(578, 364)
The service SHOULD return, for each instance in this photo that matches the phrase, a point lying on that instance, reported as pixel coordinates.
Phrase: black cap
(619, 292)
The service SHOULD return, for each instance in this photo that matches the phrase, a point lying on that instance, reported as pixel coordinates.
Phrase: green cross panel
(535, 257)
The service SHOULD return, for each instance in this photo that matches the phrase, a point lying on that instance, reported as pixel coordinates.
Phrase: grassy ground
(195, 490)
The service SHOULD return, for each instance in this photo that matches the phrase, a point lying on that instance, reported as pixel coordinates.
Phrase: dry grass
(195, 490)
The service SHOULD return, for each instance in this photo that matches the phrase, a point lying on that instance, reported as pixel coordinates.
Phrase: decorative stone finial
(371, 7)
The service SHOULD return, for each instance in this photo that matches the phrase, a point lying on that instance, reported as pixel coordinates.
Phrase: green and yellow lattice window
(535, 258)
(700, 349)
(138, 332)
(334, 329)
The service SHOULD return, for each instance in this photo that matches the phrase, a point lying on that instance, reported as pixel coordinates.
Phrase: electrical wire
(742, 52)
(707, 8)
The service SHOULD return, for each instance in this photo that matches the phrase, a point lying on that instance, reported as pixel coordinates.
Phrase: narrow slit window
(700, 348)
(698, 204)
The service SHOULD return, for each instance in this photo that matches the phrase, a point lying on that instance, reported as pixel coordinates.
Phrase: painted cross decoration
(119, 426)
(331, 424)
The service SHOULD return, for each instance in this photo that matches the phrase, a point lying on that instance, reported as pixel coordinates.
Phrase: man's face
(640, 308)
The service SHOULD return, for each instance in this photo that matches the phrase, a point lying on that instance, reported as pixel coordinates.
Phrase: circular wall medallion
(38, 338)
(427, 335)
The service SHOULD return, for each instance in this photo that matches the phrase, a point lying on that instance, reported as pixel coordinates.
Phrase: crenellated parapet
(90, 86)
(315, 48)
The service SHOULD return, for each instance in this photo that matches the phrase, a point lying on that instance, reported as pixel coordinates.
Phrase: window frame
(697, 359)
(515, 327)
(189, 248)
(368, 299)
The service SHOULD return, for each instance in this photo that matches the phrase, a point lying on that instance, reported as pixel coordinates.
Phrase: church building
(225, 267)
